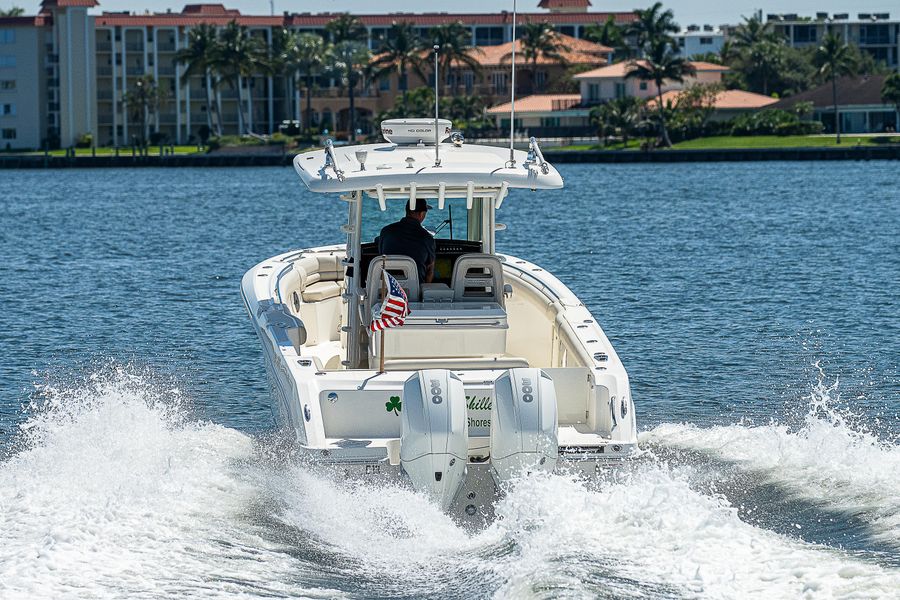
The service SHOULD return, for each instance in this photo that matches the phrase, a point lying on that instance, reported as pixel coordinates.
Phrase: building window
(879, 54)
(643, 86)
(469, 80)
(7, 109)
(7, 85)
(488, 36)
(9, 134)
(706, 41)
(7, 36)
(804, 33)
(620, 90)
(593, 91)
(385, 84)
(874, 34)
(498, 80)
(7, 60)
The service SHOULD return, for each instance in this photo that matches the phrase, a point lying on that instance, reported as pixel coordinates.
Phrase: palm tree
(661, 64)
(454, 42)
(834, 59)
(199, 56)
(651, 25)
(890, 93)
(239, 56)
(401, 52)
(619, 117)
(143, 100)
(540, 40)
(313, 55)
(607, 34)
(283, 63)
(753, 31)
(346, 28)
(465, 111)
(14, 11)
(350, 56)
(350, 61)
(762, 63)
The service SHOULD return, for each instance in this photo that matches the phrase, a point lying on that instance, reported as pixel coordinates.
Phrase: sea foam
(831, 458)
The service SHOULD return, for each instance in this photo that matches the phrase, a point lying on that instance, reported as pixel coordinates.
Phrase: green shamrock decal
(394, 405)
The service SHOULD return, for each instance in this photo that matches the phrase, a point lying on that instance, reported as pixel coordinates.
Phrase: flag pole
(384, 330)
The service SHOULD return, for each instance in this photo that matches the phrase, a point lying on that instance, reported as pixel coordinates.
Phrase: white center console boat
(498, 372)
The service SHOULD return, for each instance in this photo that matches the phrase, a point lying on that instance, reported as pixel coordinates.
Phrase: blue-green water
(754, 305)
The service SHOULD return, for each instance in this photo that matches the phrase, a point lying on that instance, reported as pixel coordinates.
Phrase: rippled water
(754, 305)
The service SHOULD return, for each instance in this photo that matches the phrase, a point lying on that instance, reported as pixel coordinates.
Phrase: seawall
(891, 152)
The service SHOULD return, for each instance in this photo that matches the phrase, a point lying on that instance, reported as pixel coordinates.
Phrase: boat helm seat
(402, 268)
(478, 278)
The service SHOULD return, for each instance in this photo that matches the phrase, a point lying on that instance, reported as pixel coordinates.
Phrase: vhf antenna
(512, 100)
(437, 135)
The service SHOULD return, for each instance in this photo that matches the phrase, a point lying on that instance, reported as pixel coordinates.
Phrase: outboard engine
(523, 424)
(434, 435)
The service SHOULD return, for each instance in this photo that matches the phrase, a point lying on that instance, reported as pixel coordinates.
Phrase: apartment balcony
(104, 46)
(165, 46)
(52, 59)
(342, 93)
(104, 118)
(198, 118)
(165, 70)
(167, 117)
(104, 71)
(105, 95)
(136, 71)
(134, 47)
(53, 106)
(53, 82)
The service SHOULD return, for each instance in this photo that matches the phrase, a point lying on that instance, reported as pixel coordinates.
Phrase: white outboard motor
(434, 435)
(523, 424)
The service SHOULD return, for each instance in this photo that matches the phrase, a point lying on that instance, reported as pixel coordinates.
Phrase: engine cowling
(524, 424)
(434, 438)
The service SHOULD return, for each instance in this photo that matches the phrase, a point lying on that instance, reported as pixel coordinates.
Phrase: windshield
(450, 223)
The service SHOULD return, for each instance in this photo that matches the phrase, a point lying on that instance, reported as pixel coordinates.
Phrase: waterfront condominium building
(65, 72)
(874, 33)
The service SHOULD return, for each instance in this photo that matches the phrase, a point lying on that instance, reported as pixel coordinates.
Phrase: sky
(687, 12)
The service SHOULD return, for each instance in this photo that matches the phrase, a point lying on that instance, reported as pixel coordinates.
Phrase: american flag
(393, 310)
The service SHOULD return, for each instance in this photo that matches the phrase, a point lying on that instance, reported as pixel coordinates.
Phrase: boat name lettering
(436, 391)
(478, 402)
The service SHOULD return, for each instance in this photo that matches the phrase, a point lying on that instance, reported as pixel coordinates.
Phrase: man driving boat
(409, 238)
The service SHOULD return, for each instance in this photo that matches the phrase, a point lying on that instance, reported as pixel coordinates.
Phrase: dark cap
(421, 205)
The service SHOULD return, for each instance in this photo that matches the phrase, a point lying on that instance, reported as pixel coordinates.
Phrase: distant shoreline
(891, 152)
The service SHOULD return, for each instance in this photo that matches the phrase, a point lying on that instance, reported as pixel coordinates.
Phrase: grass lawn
(123, 151)
(778, 141)
(758, 141)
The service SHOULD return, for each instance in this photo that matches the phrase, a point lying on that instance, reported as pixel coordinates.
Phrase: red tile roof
(726, 100)
(621, 69)
(68, 3)
(538, 103)
(209, 9)
(431, 19)
(549, 4)
(179, 20)
(578, 52)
